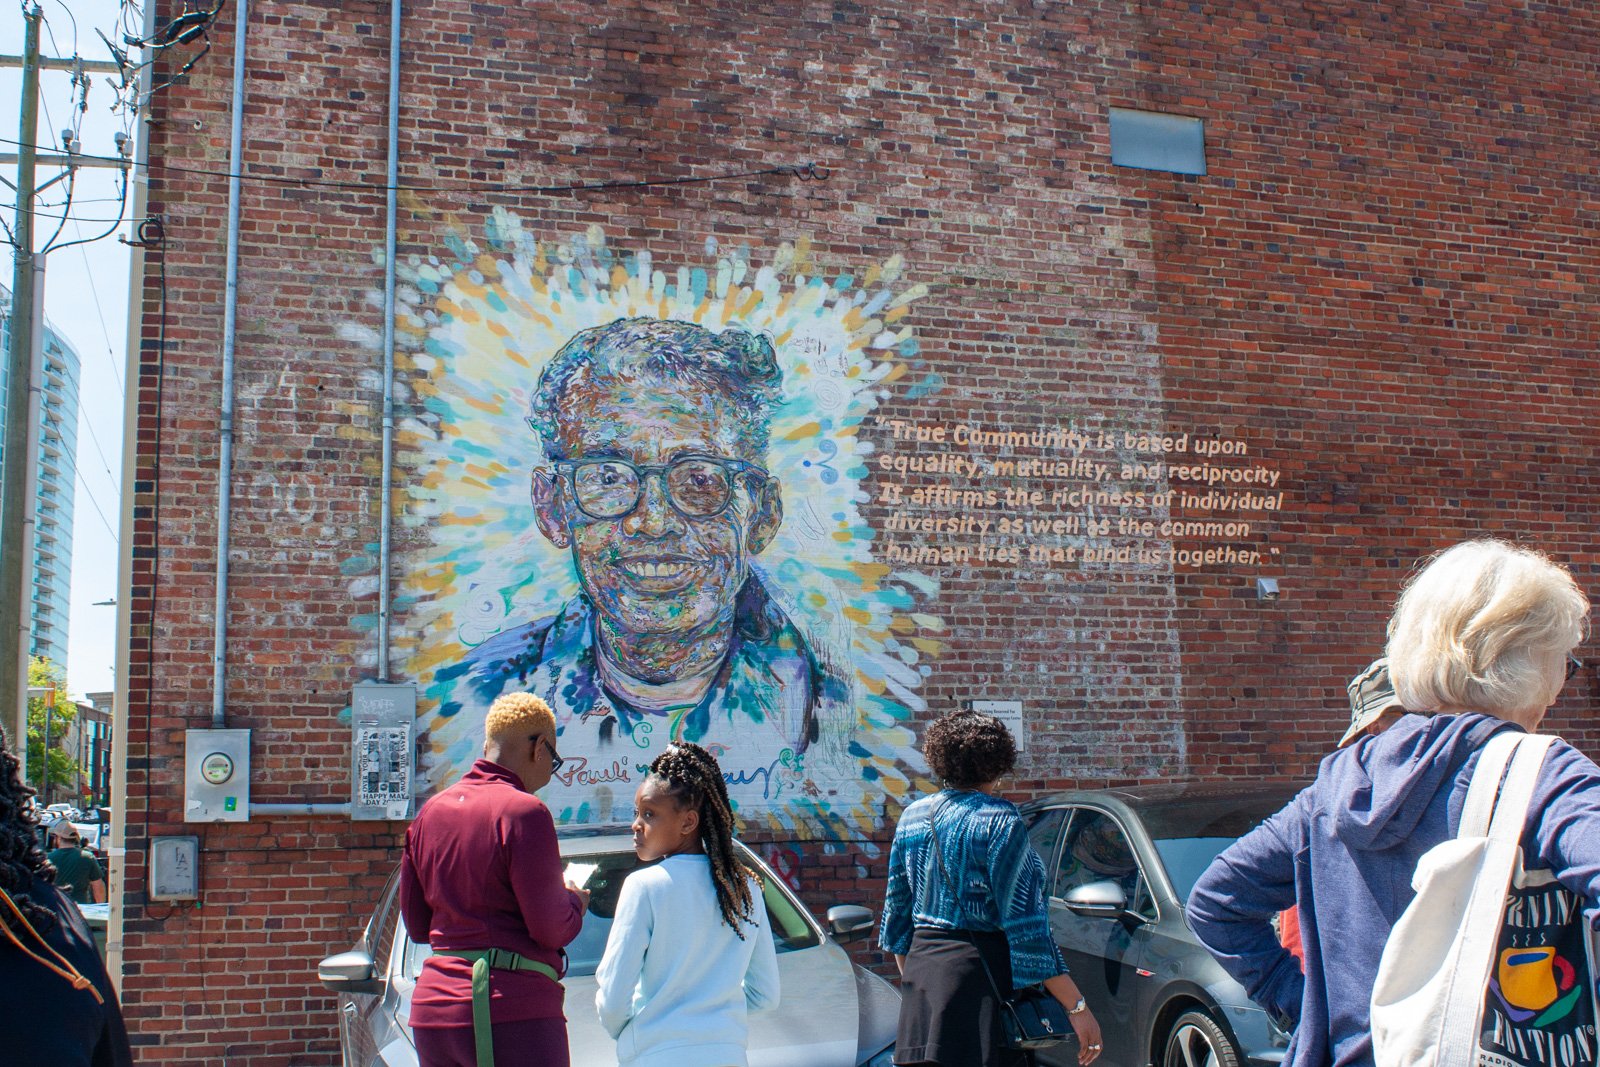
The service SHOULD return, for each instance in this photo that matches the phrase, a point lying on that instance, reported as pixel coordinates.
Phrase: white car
(832, 1013)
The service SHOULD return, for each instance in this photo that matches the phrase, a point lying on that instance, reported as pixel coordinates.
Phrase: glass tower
(51, 567)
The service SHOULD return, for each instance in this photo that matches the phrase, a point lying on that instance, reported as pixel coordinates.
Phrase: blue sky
(86, 301)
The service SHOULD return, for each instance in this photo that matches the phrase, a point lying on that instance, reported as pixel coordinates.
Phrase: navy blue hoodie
(1345, 850)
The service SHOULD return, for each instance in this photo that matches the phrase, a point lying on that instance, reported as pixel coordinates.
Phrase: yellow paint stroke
(804, 430)
(916, 292)
(931, 647)
(856, 615)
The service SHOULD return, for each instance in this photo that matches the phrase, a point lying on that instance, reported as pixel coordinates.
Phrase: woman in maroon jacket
(481, 882)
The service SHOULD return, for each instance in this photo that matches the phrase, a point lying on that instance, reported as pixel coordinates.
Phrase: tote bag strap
(1486, 909)
(1492, 762)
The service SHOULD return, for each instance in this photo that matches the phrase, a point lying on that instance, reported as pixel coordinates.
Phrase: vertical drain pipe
(230, 318)
(389, 245)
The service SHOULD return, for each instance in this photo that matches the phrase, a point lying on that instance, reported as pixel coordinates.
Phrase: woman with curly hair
(690, 950)
(60, 1009)
(965, 915)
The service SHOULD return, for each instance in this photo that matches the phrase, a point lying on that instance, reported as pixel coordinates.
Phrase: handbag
(1491, 965)
(1032, 1017)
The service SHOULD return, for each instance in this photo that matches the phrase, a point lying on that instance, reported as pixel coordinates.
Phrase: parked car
(1121, 863)
(832, 1013)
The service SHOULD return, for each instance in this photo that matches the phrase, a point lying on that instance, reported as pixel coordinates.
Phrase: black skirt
(948, 1013)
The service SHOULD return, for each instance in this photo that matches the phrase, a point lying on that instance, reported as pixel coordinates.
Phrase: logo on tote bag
(1539, 1011)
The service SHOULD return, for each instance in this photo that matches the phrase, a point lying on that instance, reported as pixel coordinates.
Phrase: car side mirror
(1097, 900)
(349, 972)
(847, 920)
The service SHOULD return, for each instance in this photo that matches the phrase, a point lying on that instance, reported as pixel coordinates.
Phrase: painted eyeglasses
(697, 486)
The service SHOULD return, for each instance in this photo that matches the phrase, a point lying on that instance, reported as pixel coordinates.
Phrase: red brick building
(1047, 420)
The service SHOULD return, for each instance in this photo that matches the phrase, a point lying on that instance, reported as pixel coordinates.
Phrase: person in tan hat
(1373, 706)
(1373, 709)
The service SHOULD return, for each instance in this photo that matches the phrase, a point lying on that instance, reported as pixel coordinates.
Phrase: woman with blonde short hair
(1482, 640)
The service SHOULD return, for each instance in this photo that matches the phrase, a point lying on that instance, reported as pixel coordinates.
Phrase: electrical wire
(99, 310)
(121, 210)
(82, 482)
(152, 234)
(105, 463)
(811, 171)
(74, 20)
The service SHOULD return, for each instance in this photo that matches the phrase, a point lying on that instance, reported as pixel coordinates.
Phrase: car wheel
(1197, 1041)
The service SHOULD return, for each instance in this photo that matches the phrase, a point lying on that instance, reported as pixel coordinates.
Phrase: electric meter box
(216, 777)
(383, 717)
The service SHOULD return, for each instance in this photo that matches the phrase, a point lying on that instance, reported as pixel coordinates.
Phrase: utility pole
(24, 370)
(16, 510)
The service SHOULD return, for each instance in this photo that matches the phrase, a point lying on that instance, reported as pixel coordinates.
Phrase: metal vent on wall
(1150, 140)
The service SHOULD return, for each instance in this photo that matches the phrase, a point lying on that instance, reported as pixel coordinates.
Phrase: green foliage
(55, 718)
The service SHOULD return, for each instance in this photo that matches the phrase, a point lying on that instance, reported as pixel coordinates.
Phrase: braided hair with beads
(691, 777)
(21, 858)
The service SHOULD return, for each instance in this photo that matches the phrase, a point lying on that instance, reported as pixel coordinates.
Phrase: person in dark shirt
(78, 873)
(60, 1009)
(481, 881)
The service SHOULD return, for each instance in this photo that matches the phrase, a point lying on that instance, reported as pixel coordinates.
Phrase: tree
(50, 714)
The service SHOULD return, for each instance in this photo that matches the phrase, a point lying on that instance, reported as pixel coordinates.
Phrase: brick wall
(1381, 288)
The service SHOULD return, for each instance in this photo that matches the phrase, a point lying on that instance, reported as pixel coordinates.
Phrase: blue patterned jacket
(987, 853)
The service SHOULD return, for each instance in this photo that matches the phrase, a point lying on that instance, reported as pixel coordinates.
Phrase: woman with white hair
(1482, 639)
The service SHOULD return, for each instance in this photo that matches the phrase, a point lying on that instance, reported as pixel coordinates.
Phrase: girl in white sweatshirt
(690, 949)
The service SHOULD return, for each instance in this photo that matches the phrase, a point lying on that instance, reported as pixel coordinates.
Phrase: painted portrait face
(657, 569)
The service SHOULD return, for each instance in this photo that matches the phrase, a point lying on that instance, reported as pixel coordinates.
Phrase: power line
(96, 503)
(94, 291)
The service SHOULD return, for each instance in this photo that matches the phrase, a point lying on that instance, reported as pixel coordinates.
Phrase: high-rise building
(50, 576)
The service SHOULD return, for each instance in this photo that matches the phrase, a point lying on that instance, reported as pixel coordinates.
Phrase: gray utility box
(216, 776)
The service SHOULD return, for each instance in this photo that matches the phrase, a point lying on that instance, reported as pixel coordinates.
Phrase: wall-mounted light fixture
(1266, 589)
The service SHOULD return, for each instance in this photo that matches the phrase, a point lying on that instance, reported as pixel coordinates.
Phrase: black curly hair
(21, 858)
(691, 777)
(967, 749)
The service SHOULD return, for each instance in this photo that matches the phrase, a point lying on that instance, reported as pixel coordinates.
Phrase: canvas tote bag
(1480, 923)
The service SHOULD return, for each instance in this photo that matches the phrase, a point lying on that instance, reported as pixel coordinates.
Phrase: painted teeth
(660, 570)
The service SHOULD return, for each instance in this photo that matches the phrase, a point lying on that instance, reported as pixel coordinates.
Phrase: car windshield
(1190, 833)
(790, 929)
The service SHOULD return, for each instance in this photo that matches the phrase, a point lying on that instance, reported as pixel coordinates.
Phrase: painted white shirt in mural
(761, 711)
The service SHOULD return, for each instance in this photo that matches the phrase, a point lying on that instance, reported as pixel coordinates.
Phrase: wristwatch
(1078, 1008)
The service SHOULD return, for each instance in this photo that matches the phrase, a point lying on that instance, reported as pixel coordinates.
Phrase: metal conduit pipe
(230, 315)
(389, 242)
(300, 809)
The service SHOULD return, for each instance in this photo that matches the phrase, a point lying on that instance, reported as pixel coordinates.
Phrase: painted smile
(659, 573)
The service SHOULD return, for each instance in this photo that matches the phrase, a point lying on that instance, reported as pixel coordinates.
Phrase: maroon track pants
(530, 1043)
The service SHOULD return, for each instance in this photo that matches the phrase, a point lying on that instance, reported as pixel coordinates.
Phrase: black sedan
(1120, 864)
